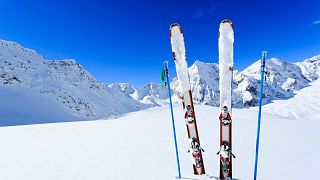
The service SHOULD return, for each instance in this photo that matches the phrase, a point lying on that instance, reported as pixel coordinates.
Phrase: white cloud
(316, 22)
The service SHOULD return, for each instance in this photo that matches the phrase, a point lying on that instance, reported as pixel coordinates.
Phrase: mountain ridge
(66, 81)
(83, 97)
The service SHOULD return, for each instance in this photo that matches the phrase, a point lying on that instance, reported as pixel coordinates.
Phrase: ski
(226, 39)
(179, 55)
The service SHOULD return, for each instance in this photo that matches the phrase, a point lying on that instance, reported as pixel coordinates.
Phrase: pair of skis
(226, 39)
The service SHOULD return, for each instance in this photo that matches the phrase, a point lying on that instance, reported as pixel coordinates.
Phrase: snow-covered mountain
(283, 80)
(310, 68)
(204, 79)
(36, 88)
(152, 93)
(63, 83)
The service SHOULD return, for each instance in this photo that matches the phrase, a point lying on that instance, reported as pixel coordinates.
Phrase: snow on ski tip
(226, 40)
(173, 25)
(227, 24)
(227, 21)
(179, 55)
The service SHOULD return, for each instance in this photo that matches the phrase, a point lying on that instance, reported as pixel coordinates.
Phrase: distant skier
(195, 150)
(189, 115)
(225, 117)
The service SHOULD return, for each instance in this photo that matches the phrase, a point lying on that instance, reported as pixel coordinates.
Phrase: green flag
(163, 77)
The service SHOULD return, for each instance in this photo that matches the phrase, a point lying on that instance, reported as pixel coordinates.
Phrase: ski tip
(173, 25)
(226, 21)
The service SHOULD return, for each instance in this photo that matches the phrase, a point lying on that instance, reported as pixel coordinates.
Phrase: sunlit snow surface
(304, 105)
(139, 145)
(178, 48)
(226, 38)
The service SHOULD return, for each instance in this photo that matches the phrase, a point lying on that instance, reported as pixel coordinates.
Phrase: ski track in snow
(140, 146)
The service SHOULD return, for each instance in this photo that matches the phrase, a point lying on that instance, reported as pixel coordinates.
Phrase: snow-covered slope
(23, 105)
(64, 82)
(140, 146)
(304, 105)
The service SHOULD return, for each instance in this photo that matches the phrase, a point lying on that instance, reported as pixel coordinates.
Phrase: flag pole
(166, 68)
(263, 61)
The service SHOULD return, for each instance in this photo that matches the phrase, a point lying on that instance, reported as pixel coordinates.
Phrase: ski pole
(172, 118)
(263, 61)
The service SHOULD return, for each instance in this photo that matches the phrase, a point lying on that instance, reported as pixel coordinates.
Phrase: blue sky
(127, 41)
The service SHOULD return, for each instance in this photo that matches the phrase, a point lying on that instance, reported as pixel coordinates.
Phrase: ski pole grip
(263, 60)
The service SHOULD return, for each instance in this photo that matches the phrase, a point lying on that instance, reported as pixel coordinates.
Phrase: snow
(76, 94)
(22, 105)
(178, 48)
(283, 81)
(140, 145)
(66, 85)
(304, 105)
(226, 39)
(310, 68)
(204, 84)
(151, 89)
